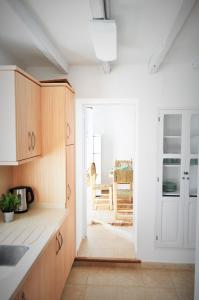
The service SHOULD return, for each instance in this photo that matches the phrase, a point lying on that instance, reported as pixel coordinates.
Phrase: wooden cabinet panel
(23, 134)
(35, 119)
(47, 273)
(70, 118)
(20, 103)
(70, 178)
(31, 288)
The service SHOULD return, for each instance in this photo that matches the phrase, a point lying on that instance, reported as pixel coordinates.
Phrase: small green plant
(9, 202)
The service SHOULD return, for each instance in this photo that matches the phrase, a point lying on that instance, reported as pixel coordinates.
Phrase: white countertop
(33, 229)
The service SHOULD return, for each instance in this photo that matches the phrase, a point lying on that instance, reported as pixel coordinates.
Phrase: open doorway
(109, 160)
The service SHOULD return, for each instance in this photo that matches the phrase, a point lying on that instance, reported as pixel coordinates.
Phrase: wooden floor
(120, 283)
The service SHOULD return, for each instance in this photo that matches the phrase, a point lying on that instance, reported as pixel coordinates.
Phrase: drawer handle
(61, 239)
(59, 246)
(33, 138)
(69, 193)
(68, 130)
(23, 296)
(29, 141)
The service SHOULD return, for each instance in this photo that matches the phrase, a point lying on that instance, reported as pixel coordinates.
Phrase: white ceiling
(142, 27)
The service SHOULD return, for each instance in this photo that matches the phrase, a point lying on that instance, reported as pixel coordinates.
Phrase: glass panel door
(193, 177)
(172, 134)
(171, 177)
(194, 134)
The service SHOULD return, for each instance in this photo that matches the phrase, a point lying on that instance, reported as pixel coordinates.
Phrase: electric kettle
(26, 196)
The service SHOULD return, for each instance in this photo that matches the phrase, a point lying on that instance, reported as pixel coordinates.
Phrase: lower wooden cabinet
(48, 275)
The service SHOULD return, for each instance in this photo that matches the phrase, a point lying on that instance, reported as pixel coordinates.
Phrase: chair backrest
(123, 171)
(91, 174)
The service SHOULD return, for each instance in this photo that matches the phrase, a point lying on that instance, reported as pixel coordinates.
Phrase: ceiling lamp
(104, 38)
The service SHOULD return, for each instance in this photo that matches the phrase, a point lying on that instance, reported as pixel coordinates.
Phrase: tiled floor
(106, 241)
(120, 283)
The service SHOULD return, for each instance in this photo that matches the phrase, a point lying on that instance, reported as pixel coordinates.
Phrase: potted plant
(8, 203)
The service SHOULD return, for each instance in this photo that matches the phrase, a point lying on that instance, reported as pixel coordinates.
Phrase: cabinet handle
(34, 140)
(68, 194)
(183, 177)
(61, 239)
(23, 296)
(187, 178)
(186, 173)
(68, 130)
(29, 141)
(59, 246)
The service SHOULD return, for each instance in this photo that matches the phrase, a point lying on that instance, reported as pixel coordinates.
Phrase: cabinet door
(170, 180)
(70, 118)
(23, 100)
(47, 274)
(59, 268)
(191, 179)
(31, 288)
(35, 119)
(70, 179)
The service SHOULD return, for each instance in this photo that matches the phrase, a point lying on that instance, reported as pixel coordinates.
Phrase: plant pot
(8, 216)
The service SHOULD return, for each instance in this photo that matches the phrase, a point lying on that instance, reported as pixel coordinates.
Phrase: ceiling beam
(39, 35)
(158, 58)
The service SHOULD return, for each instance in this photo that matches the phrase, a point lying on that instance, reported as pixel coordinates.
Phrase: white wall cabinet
(177, 178)
(19, 118)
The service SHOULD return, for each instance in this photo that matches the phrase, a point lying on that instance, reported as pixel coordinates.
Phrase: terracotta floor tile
(185, 294)
(98, 293)
(74, 292)
(161, 294)
(157, 278)
(183, 279)
(131, 293)
(78, 275)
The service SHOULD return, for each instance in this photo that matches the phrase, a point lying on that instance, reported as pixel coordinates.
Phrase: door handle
(23, 296)
(34, 140)
(29, 141)
(68, 194)
(61, 239)
(68, 130)
(59, 246)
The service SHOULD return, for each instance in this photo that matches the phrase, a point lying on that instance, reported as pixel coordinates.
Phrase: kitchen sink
(10, 255)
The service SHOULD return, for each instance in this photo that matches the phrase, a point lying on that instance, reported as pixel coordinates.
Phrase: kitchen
(174, 86)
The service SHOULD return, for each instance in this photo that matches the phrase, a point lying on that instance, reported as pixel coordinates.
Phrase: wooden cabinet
(70, 118)
(48, 275)
(70, 178)
(19, 118)
(177, 178)
(31, 287)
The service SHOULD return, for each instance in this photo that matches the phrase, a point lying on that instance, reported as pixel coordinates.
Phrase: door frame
(81, 207)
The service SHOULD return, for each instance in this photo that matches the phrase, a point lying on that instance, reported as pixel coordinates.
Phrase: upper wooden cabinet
(70, 118)
(19, 118)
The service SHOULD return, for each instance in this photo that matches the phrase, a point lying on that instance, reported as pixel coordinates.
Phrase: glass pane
(194, 134)
(97, 161)
(172, 134)
(193, 177)
(171, 177)
(97, 144)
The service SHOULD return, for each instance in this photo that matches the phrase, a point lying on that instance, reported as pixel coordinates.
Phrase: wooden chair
(102, 194)
(123, 197)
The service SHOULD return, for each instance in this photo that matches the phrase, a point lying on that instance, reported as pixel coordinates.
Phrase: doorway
(109, 138)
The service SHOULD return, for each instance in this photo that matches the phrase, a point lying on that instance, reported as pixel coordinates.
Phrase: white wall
(196, 296)
(7, 59)
(116, 125)
(174, 86)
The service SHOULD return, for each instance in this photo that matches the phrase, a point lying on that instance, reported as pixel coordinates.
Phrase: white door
(170, 181)
(191, 177)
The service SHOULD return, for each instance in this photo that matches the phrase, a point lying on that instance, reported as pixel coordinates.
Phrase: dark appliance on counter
(26, 196)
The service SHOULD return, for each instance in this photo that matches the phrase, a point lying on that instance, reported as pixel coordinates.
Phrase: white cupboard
(177, 178)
